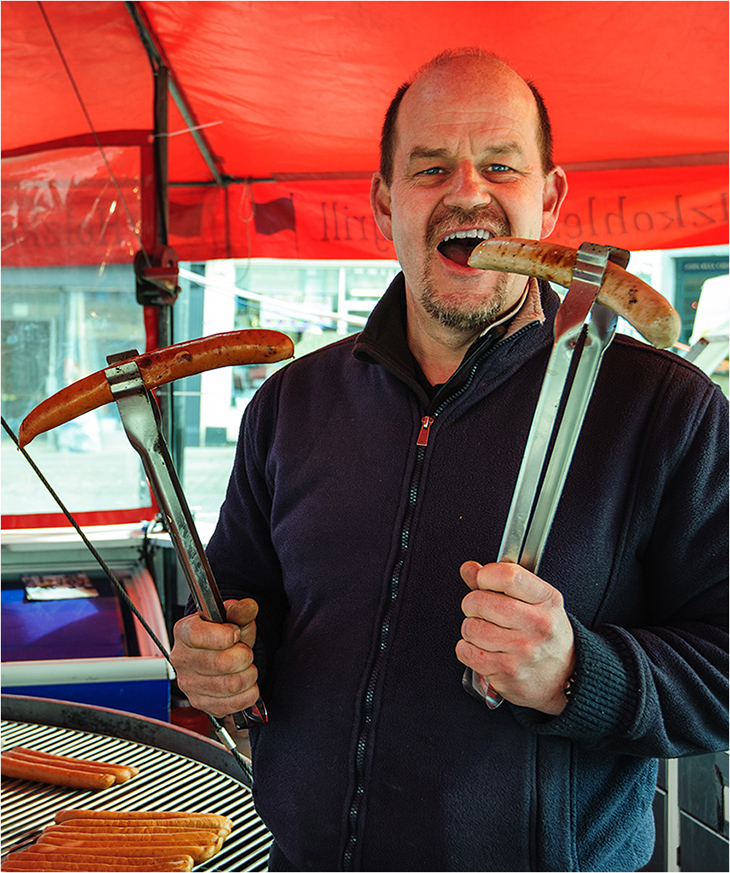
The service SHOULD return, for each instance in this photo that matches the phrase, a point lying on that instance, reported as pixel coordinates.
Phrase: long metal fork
(141, 420)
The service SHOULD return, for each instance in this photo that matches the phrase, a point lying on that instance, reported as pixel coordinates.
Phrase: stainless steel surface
(141, 420)
(179, 770)
(599, 334)
(569, 326)
(579, 346)
(140, 417)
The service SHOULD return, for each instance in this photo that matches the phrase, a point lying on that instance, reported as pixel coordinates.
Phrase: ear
(381, 205)
(553, 194)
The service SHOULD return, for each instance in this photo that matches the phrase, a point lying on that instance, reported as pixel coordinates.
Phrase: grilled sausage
(102, 816)
(117, 827)
(120, 772)
(35, 861)
(158, 368)
(130, 846)
(34, 771)
(624, 294)
(186, 823)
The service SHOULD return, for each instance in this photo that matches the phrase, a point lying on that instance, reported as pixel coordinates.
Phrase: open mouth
(459, 245)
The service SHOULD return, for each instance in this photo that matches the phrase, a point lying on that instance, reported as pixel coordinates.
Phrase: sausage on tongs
(158, 368)
(621, 292)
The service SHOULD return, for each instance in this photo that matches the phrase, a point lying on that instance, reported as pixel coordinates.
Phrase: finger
(241, 612)
(221, 696)
(488, 664)
(216, 682)
(194, 632)
(488, 635)
(514, 581)
(497, 609)
(469, 571)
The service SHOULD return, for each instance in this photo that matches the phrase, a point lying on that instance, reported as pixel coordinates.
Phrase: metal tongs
(140, 416)
(584, 330)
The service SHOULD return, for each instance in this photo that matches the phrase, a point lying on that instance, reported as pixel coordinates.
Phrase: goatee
(452, 314)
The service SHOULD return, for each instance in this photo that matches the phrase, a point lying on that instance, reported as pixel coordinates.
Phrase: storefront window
(314, 303)
(58, 325)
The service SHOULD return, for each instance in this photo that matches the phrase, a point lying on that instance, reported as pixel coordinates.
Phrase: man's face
(467, 165)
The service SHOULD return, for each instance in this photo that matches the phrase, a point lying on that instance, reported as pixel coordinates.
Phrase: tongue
(458, 250)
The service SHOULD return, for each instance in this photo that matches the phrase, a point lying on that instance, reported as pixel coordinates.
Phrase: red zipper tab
(425, 430)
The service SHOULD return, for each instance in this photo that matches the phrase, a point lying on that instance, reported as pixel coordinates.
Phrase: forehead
(467, 95)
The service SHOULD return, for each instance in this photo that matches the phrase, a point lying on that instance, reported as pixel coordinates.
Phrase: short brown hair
(388, 133)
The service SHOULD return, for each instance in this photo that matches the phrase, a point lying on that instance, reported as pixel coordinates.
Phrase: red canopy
(288, 99)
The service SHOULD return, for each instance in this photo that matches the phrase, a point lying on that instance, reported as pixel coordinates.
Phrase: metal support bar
(150, 43)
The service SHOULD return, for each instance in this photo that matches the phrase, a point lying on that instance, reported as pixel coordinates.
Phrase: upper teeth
(468, 234)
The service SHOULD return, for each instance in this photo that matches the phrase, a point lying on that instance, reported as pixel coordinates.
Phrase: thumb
(241, 612)
(469, 571)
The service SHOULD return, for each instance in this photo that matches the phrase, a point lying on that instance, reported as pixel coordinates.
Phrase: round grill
(179, 770)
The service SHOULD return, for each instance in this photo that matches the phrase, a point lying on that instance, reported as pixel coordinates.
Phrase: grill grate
(167, 781)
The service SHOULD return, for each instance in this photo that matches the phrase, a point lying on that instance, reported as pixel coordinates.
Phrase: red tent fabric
(287, 99)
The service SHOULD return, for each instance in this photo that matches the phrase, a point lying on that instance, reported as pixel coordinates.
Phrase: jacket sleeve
(661, 689)
(240, 550)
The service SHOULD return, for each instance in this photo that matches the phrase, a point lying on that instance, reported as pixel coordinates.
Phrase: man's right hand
(214, 661)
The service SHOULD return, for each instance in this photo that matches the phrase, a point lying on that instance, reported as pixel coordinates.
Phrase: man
(374, 473)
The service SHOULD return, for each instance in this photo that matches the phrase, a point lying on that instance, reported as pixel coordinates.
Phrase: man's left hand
(517, 634)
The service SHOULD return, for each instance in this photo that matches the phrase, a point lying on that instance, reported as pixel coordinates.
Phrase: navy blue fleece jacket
(350, 536)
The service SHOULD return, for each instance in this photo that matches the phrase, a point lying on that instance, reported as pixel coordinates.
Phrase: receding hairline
(389, 130)
(445, 57)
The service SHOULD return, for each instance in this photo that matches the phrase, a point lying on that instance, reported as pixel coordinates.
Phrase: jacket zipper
(424, 433)
(367, 718)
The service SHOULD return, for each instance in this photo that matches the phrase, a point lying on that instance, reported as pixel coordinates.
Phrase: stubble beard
(449, 311)
(461, 316)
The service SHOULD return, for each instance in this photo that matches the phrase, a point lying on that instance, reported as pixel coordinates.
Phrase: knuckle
(248, 635)
(543, 626)
(238, 683)
(473, 629)
(234, 659)
(478, 603)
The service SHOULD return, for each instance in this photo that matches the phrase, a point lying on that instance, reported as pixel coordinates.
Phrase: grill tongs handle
(140, 416)
(583, 331)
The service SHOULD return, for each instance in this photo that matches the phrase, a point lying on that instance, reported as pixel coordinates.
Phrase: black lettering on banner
(51, 233)
(573, 223)
(707, 219)
(358, 219)
(646, 220)
(616, 215)
(677, 213)
(617, 218)
(31, 235)
(340, 225)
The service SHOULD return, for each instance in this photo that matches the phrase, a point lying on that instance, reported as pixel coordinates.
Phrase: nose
(468, 187)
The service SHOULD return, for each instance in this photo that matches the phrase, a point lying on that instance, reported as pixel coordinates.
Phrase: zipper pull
(424, 432)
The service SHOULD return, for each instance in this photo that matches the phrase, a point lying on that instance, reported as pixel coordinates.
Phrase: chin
(468, 310)
(458, 315)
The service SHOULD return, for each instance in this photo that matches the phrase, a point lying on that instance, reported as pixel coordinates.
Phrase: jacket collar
(383, 339)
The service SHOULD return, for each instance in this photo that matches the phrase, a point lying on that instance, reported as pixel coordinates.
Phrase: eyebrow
(499, 149)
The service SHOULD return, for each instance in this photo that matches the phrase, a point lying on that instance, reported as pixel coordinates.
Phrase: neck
(440, 350)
